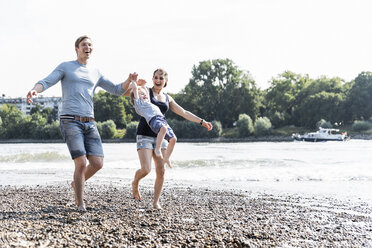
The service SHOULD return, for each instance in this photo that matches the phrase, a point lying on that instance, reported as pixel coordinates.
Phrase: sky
(330, 38)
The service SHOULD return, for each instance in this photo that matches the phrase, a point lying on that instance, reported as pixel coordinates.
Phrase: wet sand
(43, 216)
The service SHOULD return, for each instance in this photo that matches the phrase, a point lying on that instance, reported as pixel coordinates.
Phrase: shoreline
(192, 217)
(271, 138)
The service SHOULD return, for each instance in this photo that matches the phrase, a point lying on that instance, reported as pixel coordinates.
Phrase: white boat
(323, 134)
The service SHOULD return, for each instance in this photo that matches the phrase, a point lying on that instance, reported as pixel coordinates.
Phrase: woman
(146, 139)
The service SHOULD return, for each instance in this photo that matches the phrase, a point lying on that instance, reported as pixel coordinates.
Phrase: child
(140, 98)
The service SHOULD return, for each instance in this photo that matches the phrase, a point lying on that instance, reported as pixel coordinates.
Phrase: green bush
(216, 131)
(244, 125)
(120, 133)
(49, 131)
(262, 126)
(191, 130)
(99, 127)
(279, 119)
(108, 129)
(359, 126)
(131, 130)
(2, 130)
(52, 131)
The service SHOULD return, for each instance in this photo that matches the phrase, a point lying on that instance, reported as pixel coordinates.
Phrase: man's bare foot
(166, 160)
(135, 192)
(158, 152)
(73, 187)
(82, 208)
(157, 205)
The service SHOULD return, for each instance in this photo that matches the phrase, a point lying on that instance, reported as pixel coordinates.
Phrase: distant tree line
(221, 92)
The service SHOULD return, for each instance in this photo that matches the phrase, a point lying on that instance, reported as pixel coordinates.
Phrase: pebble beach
(45, 216)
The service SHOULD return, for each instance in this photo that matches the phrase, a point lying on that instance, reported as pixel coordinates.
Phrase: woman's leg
(160, 171)
(144, 156)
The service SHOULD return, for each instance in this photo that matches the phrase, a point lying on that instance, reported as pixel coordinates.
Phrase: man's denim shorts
(82, 138)
(147, 142)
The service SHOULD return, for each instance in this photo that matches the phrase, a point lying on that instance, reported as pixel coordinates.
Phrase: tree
(358, 104)
(282, 96)
(218, 90)
(321, 99)
(13, 119)
(48, 113)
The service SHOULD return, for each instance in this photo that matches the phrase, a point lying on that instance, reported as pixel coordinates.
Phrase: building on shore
(44, 102)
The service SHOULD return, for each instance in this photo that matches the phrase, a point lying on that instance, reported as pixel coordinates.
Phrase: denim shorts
(158, 122)
(147, 142)
(82, 138)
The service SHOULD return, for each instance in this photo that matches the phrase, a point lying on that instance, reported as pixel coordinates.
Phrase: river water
(331, 169)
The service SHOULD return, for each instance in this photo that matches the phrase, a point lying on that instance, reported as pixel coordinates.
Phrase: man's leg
(92, 145)
(79, 181)
(95, 164)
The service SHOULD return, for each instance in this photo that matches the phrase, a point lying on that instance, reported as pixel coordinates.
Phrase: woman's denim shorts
(147, 142)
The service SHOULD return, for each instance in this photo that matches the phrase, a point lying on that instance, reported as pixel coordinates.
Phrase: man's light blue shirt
(78, 83)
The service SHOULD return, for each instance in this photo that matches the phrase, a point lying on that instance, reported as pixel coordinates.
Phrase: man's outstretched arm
(37, 89)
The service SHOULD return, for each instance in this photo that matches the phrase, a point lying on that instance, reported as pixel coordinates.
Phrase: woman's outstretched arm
(187, 114)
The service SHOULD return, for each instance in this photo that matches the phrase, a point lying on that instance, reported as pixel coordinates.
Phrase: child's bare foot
(157, 205)
(158, 152)
(166, 160)
(135, 192)
(73, 187)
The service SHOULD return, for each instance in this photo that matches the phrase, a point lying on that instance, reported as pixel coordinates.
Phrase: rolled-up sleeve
(109, 86)
(52, 78)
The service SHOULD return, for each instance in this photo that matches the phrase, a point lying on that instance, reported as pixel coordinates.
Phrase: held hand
(207, 125)
(132, 76)
(141, 82)
(132, 85)
(30, 94)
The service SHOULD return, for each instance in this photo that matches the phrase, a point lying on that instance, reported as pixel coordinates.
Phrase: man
(79, 82)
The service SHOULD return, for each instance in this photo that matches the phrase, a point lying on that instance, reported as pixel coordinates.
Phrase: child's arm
(134, 87)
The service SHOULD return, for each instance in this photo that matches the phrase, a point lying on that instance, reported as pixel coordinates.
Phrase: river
(331, 169)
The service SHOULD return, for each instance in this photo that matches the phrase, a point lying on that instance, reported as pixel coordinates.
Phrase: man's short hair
(80, 39)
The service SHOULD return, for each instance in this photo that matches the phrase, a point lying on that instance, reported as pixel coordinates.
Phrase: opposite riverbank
(192, 217)
(269, 138)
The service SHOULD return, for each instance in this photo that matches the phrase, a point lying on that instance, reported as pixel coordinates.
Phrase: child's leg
(168, 153)
(159, 140)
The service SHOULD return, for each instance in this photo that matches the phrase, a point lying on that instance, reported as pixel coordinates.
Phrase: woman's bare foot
(158, 152)
(73, 187)
(135, 192)
(157, 205)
